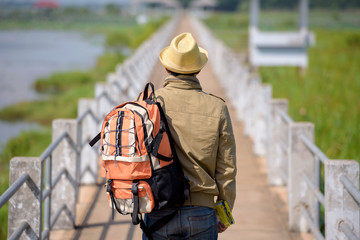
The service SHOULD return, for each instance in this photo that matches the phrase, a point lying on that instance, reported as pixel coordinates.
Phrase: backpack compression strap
(95, 139)
(145, 96)
(134, 190)
(135, 193)
(113, 202)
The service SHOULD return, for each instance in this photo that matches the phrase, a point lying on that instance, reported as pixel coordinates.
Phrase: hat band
(196, 63)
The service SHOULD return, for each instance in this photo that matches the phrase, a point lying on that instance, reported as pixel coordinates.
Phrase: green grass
(27, 144)
(231, 28)
(67, 20)
(318, 19)
(328, 95)
(65, 88)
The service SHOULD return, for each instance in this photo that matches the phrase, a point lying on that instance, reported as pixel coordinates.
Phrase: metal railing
(292, 157)
(315, 186)
(47, 184)
(283, 122)
(43, 176)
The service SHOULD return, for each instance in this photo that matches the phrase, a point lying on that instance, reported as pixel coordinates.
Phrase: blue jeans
(196, 223)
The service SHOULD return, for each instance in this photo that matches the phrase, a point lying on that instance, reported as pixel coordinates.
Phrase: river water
(26, 55)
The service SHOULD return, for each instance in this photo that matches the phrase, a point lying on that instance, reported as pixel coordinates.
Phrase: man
(202, 132)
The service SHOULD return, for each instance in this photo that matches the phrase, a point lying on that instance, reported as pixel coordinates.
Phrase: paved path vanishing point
(260, 211)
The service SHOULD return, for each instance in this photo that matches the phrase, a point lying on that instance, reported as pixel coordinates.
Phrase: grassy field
(65, 88)
(328, 95)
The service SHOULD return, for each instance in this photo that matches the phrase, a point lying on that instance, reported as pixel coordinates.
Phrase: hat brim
(193, 68)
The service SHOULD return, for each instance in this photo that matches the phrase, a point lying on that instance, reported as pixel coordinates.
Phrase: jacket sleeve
(226, 160)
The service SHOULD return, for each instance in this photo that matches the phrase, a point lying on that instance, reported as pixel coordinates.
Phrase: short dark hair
(186, 74)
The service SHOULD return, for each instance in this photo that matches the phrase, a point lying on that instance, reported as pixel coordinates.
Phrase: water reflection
(26, 55)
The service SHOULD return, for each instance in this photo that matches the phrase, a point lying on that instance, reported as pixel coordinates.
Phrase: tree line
(232, 5)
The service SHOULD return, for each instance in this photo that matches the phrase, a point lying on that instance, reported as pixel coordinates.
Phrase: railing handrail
(77, 145)
(49, 150)
(317, 234)
(314, 149)
(260, 110)
(19, 231)
(247, 95)
(351, 189)
(4, 198)
(284, 116)
(88, 112)
(316, 191)
(346, 229)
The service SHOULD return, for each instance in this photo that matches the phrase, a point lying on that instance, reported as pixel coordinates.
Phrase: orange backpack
(139, 160)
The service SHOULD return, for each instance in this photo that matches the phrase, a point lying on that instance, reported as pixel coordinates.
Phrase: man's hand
(221, 227)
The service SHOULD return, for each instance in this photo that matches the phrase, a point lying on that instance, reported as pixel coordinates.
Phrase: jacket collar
(182, 82)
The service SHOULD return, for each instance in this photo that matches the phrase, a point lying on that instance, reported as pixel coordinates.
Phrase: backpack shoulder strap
(172, 146)
(146, 94)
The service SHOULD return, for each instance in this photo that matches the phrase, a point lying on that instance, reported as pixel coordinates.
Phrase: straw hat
(183, 55)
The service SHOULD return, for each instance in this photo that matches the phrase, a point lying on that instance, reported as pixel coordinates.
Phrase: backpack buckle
(134, 188)
(149, 147)
(108, 187)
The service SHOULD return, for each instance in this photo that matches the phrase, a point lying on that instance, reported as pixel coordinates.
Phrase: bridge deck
(260, 211)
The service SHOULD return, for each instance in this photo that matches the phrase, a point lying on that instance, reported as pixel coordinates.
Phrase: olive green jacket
(202, 132)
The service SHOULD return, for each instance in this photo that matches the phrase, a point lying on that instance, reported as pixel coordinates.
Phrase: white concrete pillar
(64, 157)
(243, 89)
(119, 87)
(88, 128)
(274, 156)
(105, 102)
(251, 103)
(301, 162)
(132, 77)
(340, 207)
(254, 14)
(303, 10)
(25, 205)
(263, 114)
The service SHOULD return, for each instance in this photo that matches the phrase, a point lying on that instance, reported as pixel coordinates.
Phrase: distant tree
(279, 4)
(185, 3)
(289, 4)
(228, 5)
(111, 9)
(335, 4)
(73, 10)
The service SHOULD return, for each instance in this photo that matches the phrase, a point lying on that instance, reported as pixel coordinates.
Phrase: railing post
(301, 162)
(274, 160)
(104, 105)
(303, 6)
(119, 87)
(254, 13)
(261, 136)
(250, 112)
(88, 129)
(244, 79)
(25, 205)
(340, 207)
(66, 190)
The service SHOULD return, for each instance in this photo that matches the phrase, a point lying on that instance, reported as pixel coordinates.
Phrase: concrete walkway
(260, 211)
